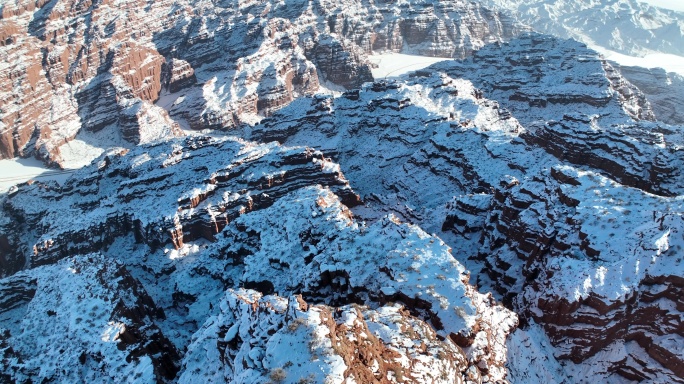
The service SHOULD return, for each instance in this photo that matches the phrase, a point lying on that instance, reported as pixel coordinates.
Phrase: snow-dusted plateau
(351, 191)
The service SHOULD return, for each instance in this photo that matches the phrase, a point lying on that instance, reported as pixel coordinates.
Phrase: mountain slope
(515, 214)
(626, 26)
(80, 77)
(189, 219)
(532, 193)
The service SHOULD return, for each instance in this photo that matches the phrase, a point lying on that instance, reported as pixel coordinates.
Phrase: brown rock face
(140, 68)
(541, 257)
(73, 70)
(179, 75)
(83, 67)
(383, 345)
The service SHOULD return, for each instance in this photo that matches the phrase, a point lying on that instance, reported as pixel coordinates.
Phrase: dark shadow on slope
(37, 24)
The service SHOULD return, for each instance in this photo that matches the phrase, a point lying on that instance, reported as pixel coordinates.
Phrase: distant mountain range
(626, 26)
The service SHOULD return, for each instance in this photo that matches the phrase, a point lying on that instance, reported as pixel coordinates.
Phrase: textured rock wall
(628, 288)
(105, 194)
(570, 214)
(261, 217)
(664, 90)
(84, 65)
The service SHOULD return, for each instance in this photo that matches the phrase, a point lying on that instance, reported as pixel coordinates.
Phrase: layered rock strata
(664, 90)
(410, 146)
(262, 217)
(108, 195)
(73, 68)
(599, 272)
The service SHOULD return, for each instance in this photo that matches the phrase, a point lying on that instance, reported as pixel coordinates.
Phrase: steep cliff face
(600, 272)
(479, 160)
(73, 68)
(67, 72)
(189, 219)
(664, 90)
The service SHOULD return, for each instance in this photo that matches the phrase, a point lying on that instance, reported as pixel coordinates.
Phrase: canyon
(250, 204)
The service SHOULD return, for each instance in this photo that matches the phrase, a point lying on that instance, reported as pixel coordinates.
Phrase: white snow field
(675, 5)
(15, 171)
(390, 65)
(668, 62)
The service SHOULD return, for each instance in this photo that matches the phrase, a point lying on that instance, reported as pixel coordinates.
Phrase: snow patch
(16, 171)
(392, 65)
(668, 62)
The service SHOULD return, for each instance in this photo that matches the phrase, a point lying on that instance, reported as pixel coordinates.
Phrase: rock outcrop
(318, 343)
(114, 197)
(73, 68)
(190, 218)
(410, 146)
(664, 90)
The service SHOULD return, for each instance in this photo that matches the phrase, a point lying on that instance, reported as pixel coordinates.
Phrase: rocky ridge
(264, 217)
(497, 145)
(538, 162)
(82, 77)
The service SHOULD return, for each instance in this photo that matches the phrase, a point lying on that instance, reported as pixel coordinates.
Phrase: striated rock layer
(664, 90)
(109, 197)
(560, 189)
(181, 222)
(73, 68)
(538, 162)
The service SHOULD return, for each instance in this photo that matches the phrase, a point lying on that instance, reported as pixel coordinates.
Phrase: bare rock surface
(72, 68)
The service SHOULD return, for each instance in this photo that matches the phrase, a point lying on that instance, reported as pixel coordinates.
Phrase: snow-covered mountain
(78, 77)
(631, 27)
(157, 261)
(513, 215)
(531, 195)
